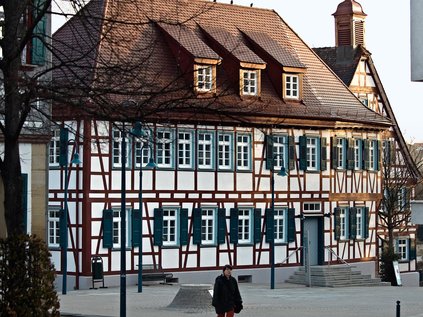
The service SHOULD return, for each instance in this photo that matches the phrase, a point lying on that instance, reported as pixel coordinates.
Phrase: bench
(153, 272)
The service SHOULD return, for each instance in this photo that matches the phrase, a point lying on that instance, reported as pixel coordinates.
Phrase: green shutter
(392, 152)
(303, 153)
(38, 49)
(269, 151)
(107, 228)
(411, 250)
(183, 233)
(270, 225)
(158, 226)
(291, 153)
(334, 153)
(366, 219)
(257, 225)
(366, 162)
(291, 224)
(234, 225)
(377, 154)
(136, 228)
(323, 154)
(337, 223)
(221, 222)
(350, 154)
(196, 236)
(25, 201)
(64, 136)
(353, 222)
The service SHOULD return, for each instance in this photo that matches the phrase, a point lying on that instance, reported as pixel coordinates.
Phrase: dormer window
(205, 78)
(250, 82)
(292, 86)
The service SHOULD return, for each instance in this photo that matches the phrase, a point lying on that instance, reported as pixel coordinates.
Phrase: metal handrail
(337, 256)
(293, 252)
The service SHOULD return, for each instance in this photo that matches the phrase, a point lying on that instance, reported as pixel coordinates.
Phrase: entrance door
(313, 228)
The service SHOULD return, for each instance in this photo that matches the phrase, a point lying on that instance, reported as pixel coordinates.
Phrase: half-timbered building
(226, 96)
(354, 65)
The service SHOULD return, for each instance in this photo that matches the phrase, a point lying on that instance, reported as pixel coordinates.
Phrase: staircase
(334, 276)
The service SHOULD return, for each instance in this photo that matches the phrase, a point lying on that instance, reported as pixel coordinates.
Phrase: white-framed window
(292, 87)
(225, 151)
(185, 149)
(250, 82)
(208, 226)
(341, 151)
(142, 152)
(372, 155)
(358, 154)
(204, 78)
(312, 207)
(164, 147)
(402, 248)
(117, 148)
(243, 152)
(170, 226)
(205, 150)
(53, 227)
(54, 149)
(281, 228)
(117, 228)
(245, 223)
(360, 223)
(343, 223)
(280, 151)
(312, 153)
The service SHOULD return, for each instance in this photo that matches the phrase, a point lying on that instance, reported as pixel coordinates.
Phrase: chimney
(349, 24)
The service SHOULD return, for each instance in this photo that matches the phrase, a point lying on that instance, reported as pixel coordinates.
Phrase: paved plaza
(259, 300)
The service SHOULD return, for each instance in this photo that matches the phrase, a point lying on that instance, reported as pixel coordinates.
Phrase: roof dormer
(241, 64)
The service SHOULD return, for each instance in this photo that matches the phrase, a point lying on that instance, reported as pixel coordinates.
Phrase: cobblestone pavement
(259, 300)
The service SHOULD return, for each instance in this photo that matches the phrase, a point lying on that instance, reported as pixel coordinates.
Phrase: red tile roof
(148, 73)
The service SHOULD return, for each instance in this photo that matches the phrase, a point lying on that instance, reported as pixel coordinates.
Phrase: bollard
(398, 309)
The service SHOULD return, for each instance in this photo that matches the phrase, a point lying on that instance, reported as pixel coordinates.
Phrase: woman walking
(226, 297)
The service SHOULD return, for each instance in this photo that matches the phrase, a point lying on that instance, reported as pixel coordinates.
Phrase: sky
(387, 38)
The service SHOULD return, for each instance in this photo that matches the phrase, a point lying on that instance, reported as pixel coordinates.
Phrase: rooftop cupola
(349, 24)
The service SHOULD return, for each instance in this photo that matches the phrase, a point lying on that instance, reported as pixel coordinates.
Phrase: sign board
(397, 272)
(417, 212)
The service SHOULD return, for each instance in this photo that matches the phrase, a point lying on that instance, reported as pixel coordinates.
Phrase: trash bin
(97, 271)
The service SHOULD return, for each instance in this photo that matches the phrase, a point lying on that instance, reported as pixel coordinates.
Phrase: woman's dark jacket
(225, 294)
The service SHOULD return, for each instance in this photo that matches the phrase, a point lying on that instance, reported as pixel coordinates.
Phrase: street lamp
(137, 131)
(63, 162)
(282, 172)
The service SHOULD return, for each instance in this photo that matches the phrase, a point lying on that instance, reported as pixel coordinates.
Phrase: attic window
(250, 82)
(292, 86)
(204, 78)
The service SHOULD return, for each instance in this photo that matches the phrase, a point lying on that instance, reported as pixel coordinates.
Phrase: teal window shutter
(291, 153)
(353, 222)
(183, 236)
(158, 226)
(377, 154)
(270, 225)
(136, 228)
(196, 214)
(25, 201)
(323, 154)
(221, 223)
(234, 225)
(257, 225)
(337, 223)
(334, 153)
(291, 224)
(366, 219)
(411, 250)
(269, 151)
(366, 162)
(38, 50)
(107, 228)
(303, 153)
